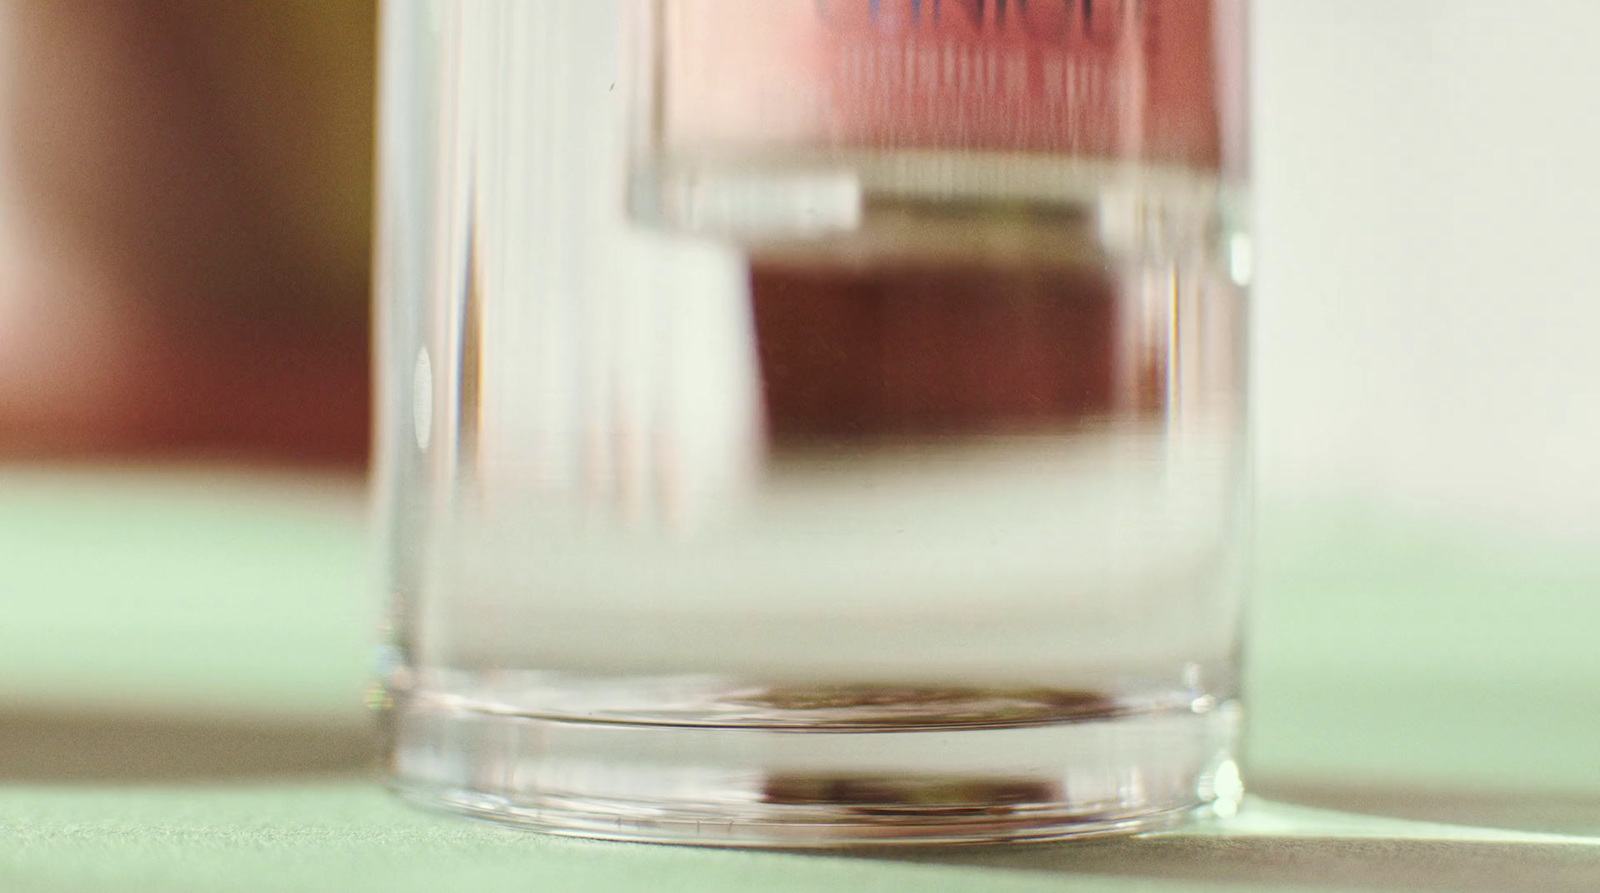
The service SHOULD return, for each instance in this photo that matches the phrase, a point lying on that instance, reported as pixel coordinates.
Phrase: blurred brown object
(937, 348)
(193, 180)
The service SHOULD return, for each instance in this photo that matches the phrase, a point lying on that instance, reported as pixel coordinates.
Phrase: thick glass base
(873, 766)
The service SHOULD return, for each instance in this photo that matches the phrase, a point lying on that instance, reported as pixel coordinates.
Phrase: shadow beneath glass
(45, 747)
(1358, 838)
(1541, 812)
(1376, 864)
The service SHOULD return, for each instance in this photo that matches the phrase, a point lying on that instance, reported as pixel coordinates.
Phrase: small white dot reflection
(1133, 790)
(422, 400)
(1191, 676)
(1229, 790)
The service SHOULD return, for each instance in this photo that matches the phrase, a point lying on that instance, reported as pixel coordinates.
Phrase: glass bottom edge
(597, 820)
(1123, 773)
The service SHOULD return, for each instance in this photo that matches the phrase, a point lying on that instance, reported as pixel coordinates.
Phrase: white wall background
(1428, 317)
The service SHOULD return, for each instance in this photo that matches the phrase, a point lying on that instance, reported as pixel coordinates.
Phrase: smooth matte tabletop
(184, 656)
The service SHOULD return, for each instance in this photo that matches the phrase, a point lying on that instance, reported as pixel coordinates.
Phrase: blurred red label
(1103, 78)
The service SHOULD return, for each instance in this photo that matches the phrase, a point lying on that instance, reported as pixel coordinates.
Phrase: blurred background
(184, 226)
(185, 195)
(1427, 308)
(184, 214)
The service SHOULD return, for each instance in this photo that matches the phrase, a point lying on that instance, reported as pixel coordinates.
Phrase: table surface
(184, 655)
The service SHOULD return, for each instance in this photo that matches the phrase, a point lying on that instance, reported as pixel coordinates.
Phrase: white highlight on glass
(1241, 259)
(422, 400)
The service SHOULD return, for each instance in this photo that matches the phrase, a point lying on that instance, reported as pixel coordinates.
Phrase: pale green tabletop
(183, 657)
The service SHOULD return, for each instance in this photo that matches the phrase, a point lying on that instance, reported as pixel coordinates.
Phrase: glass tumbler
(813, 422)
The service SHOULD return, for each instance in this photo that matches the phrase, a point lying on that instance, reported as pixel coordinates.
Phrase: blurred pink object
(183, 222)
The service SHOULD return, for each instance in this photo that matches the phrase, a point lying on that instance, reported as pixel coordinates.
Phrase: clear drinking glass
(812, 422)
